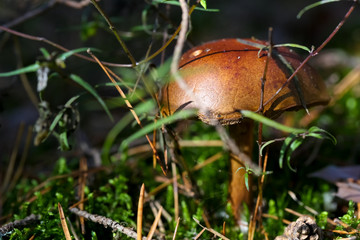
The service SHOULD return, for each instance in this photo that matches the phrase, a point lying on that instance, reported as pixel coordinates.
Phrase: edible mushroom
(224, 77)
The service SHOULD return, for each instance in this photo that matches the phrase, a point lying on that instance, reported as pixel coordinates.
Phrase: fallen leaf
(348, 191)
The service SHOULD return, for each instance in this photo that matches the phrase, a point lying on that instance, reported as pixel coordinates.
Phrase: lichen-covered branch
(106, 222)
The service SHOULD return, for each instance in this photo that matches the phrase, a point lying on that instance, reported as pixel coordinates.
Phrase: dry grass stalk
(154, 143)
(140, 212)
(165, 214)
(72, 229)
(154, 209)
(63, 223)
(176, 192)
(73, 174)
(224, 228)
(154, 225)
(197, 167)
(128, 104)
(199, 234)
(176, 228)
(14, 153)
(182, 143)
(265, 215)
(20, 166)
(82, 183)
(252, 225)
(211, 230)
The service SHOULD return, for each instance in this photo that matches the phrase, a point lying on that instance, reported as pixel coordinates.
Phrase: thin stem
(31, 14)
(113, 29)
(263, 79)
(58, 46)
(314, 53)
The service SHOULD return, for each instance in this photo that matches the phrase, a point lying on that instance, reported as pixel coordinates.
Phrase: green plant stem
(271, 123)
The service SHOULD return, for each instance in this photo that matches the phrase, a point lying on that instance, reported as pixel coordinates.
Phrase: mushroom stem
(242, 133)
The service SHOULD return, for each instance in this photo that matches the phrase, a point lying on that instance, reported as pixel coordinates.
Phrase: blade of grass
(271, 123)
(150, 127)
(176, 228)
(307, 8)
(92, 91)
(31, 68)
(62, 57)
(121, 125)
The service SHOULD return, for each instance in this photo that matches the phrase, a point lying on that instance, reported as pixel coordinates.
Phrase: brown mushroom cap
(225, 76)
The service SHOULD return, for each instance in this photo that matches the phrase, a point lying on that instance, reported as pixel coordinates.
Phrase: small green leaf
(293, 146)
(247, 180)
(60, 114)
(284, 148)
(264, 145)
(64, 143)
(92, 91)
(291, 143)
(321, 219)
(45, 53)
(321, 134)
(62, 57)
(31, 68)
(203, 4)
(305, 9)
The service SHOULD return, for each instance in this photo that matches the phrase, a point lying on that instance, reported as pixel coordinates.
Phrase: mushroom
(224, 77)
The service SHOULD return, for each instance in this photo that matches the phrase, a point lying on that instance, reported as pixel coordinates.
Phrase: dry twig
(29, 220)
(106, 222)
